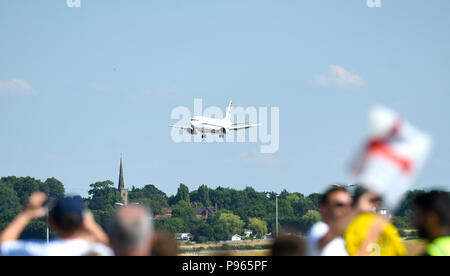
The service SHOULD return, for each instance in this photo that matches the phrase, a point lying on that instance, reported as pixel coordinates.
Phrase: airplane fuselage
(210, 125)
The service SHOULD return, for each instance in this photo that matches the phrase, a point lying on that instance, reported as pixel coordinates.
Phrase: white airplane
(200, 124)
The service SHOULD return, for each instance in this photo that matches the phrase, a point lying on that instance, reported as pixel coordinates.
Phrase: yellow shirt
(379, 237)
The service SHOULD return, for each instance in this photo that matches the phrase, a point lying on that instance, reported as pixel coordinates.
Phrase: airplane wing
(188, 129)
(243, 126)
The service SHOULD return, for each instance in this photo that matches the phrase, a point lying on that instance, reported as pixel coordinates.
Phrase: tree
(151, 196)
(203, 195)
(182, 194)
(204, 233)
(184, 211)
(315, 199)
(309, 219)
(407, 202)
(37, 229)
(55, 188)
(24, 186)
(171, 225)
(258, 227)
(231, 223)
(9, 205)
(103, 195)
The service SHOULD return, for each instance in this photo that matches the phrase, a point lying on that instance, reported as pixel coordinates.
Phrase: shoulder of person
(23, 248)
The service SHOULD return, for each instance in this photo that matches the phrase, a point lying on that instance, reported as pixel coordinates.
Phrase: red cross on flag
(392, 157)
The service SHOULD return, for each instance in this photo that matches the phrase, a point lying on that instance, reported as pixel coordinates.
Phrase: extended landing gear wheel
(203, 136)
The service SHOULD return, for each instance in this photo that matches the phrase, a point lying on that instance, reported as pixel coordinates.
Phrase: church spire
(121, 182)
(122, 190)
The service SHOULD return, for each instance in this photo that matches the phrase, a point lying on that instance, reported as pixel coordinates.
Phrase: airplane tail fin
(228, 115)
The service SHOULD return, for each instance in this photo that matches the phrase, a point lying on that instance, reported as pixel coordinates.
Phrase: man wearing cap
(76, 231)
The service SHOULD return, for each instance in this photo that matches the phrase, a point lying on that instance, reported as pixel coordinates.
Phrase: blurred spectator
(71, 225)
(325, 237)
(131, 231)
(164, 244)
(288, 245)
(432, 220)
(369, 233)
(365, 201)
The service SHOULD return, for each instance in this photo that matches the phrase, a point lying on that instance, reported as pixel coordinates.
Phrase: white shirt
(57, 247)
(334, 248)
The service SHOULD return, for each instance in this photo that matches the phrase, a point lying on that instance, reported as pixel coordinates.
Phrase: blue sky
(79, 86)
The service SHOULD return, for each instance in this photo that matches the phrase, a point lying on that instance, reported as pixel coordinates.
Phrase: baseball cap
(66, 210)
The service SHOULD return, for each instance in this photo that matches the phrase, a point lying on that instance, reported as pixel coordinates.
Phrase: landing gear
(221, 136)
(203, 136)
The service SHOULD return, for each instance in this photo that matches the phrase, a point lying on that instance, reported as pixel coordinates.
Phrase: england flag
(392, 157)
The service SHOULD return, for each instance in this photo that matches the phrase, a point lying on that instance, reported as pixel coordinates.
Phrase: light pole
(276, 212)
(48, 232)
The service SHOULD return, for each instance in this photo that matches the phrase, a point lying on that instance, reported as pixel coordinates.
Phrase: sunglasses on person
(376, 200)
(341, 204)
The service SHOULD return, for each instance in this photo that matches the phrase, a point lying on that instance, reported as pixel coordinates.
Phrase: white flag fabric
(392, 157)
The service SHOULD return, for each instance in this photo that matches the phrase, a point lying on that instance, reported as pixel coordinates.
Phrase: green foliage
(150, 196)
(104, 196)
(315, 199)
(407, 203)
(231, 223)
(245, 204)
(203, 194)
(24, 186)
(404, 222)
(14, 194)
(9, 204)
(182, 194)
(37, 229)
(204, 233)
(184, 211)
(309, 219)
(55, 188)
(259, 227)
(171, 225)
(102, 203)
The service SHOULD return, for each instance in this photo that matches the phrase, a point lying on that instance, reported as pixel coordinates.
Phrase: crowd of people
(351, 226)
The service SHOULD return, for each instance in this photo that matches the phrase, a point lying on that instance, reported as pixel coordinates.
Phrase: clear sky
(79, 86)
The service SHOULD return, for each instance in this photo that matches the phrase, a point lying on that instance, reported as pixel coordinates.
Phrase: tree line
(236, 209)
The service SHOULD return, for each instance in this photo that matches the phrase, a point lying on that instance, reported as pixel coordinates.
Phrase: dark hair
(67, 214)
(69, 223)
(333, 189)
(437, 202)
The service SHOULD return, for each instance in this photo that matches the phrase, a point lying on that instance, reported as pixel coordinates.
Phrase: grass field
(414, 248)
(256, 253)
(243, 243)
(253, 248)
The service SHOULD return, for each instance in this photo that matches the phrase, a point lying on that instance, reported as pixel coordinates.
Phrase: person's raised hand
(35, 207)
